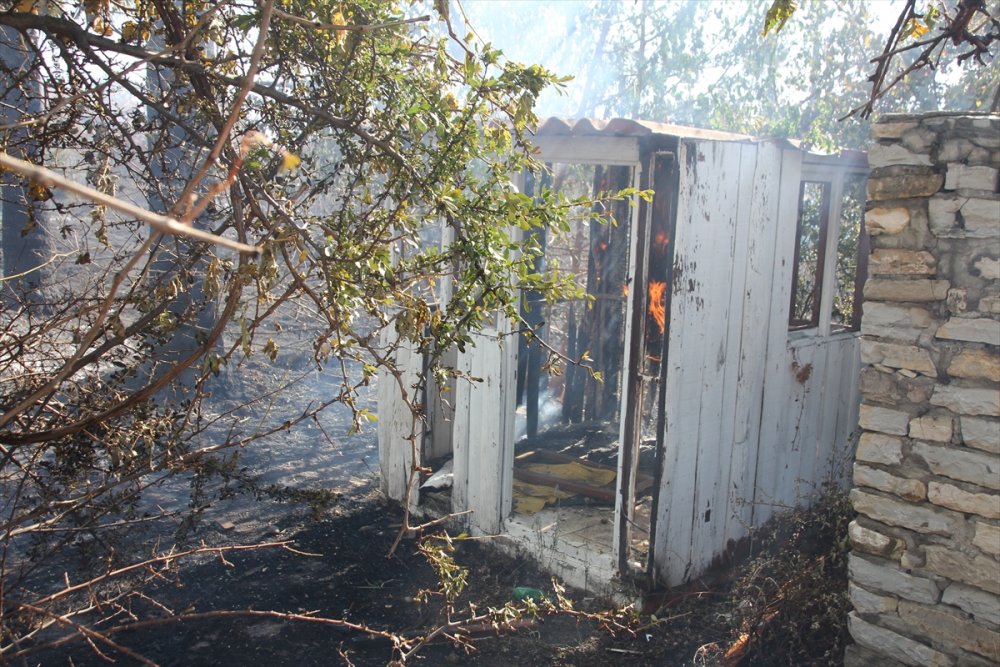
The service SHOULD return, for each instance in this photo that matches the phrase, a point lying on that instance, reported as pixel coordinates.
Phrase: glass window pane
(852, 214)
(814, 210)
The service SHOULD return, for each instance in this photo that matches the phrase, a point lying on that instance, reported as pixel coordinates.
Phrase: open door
(584, 466)
(568, 415)
(642, 431)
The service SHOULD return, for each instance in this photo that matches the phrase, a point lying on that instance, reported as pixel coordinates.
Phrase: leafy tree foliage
(707, 64)
(970, 27)
(361, 146)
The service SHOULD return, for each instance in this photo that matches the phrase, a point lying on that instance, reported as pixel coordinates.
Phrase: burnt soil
(349, 577)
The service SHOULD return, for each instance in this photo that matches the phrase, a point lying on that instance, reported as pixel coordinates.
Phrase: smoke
(549, 411)
(669, 61)
(557, 35)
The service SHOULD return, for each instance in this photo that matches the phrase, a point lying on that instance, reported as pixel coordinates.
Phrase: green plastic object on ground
(522, 593)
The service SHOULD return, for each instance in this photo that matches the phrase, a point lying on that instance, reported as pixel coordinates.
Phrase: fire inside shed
(690, 417)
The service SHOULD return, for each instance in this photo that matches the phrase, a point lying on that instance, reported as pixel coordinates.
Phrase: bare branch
(88, 634)
(234, 116)
(160, 223)
(956, 30)
(68, 29)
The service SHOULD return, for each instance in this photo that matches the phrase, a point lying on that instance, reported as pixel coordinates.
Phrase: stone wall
(925, 561)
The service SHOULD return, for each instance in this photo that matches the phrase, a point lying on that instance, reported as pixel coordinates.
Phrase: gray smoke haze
(558, 35)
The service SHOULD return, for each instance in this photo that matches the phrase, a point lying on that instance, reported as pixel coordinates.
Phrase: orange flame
(660, 243)
(658, 303)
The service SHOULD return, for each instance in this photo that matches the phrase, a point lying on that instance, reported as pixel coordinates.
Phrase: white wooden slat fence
(484, 431)
(753, 416)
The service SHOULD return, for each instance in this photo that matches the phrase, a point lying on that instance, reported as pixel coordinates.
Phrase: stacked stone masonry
(925, 561)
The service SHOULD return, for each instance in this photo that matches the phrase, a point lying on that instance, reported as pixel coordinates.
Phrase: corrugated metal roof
(623, 127)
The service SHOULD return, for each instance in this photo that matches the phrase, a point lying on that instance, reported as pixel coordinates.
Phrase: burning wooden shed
(722, 317)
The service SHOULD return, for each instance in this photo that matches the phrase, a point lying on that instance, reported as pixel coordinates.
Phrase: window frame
(821, 243)
(821, 320)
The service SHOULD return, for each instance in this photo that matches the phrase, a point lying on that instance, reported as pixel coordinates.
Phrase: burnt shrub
(789, 601)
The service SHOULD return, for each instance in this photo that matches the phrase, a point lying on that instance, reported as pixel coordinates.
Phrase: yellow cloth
(531, 498)
(576, 471)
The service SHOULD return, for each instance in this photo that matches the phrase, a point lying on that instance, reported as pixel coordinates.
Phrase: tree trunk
(24, 245)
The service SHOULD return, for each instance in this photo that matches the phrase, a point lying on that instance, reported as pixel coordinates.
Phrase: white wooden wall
(755, 415)
(743, 433)
(479, 428)
(395, 423)
(483, 430)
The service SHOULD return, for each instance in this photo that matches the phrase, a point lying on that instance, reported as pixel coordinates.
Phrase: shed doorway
(585, 468)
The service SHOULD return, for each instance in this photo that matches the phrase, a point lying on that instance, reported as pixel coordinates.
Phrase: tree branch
(160, 223)
(956, 30)
(66, 28)
(319, 25)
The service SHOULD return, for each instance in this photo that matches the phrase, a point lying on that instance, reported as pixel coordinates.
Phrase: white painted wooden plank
(709, 266)
(829, 376)
(850, 418)
(848, 400)
(732, 452)
(800, 433)
(847, 414)
(777, 375)
(815, 392)
(623, 498)
(783, 409)
(460, 433)
(837, 383)
(387, 442)
(489, 431)
(395, 425)
(842, 429)
(770, 456)
(485, 445)
(692, 354)
(720, 177)
(675, 508)
(693, 507)
(508, 405)
(760, 222)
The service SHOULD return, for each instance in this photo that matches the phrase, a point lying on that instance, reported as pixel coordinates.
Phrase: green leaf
(778, 15)
(247, 21)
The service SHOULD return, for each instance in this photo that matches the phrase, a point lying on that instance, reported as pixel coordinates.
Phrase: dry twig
(957, 29)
